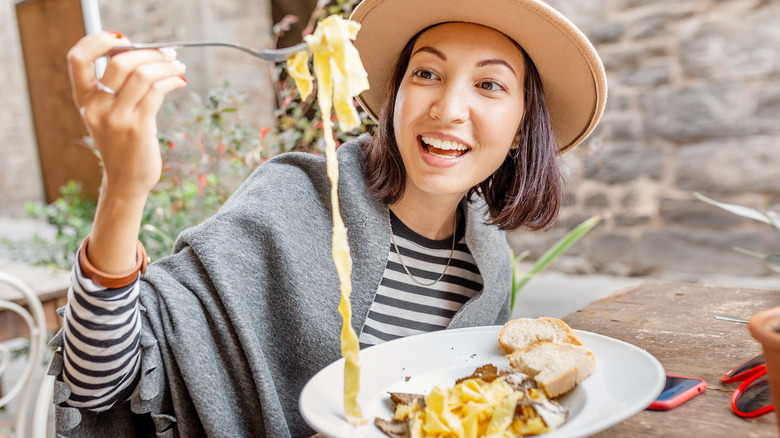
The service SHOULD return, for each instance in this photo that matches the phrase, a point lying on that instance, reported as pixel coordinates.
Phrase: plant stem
(519, 280)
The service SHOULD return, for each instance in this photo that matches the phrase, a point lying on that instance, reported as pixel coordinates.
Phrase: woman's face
(458, 108)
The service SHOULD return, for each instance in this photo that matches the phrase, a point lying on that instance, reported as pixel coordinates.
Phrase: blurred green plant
(519, 279)
(206, 156)
(209, 151)
(71, 217)
(771, 260)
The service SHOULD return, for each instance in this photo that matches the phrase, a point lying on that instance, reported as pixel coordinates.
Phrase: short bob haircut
(525, 191)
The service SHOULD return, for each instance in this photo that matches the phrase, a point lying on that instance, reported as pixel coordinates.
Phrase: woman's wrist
(114, 237)
(112, 281)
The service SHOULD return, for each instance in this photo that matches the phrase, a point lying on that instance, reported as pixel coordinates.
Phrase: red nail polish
(116, 34)
(183, 79)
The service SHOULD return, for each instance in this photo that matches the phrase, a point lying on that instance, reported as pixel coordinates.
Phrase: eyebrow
(483, 63)
(494, 61)
(430, 49)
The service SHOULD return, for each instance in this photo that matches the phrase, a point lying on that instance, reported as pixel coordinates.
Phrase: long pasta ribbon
(340, 76)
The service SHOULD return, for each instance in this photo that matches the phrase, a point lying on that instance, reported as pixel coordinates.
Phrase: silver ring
(103, 87)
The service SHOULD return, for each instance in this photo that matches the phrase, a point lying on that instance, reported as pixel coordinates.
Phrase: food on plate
(340, 76)
(490, 402)
(522, 332)
(548, 350)
(547, 360)
(556, 368)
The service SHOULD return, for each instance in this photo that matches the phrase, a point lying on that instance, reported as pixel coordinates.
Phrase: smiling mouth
(446, 149)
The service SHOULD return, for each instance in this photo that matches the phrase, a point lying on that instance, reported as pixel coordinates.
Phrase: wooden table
(675, 322)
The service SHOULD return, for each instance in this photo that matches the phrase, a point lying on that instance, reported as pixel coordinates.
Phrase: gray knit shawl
(243, 312)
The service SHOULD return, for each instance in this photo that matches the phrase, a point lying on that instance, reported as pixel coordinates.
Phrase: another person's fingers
(81, 60)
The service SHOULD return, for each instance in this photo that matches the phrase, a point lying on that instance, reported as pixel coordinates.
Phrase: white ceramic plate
(626, 380)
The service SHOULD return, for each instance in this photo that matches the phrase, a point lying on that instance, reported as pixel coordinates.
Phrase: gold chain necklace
(452, 251)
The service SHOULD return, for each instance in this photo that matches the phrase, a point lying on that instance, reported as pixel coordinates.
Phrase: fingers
(125, 64)
(150, 105)
(136, 104)
(112, 102)
(81, 61)
(144, 80)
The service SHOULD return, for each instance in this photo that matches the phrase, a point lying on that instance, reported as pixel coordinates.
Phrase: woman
(219, 338)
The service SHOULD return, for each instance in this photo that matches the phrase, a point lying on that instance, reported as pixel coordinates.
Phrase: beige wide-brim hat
(572, 73)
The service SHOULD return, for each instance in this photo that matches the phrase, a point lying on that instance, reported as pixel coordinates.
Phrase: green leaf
(739, 210)
(750, 253)
(775, 218)
(154, 230)
(521, 256)
(561, 246)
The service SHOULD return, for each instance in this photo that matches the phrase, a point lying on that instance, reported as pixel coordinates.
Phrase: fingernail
(183, 79)
(116, 34)
(168, 52)
(180, 64)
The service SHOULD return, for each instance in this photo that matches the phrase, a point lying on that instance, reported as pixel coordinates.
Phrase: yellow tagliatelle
(471, 409)
(340, 76)
(338, 61)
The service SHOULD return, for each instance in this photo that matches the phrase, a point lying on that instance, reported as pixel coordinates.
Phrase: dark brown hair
(525, 191)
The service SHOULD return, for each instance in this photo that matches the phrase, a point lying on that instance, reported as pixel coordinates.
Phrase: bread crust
(543, 361)
(522, 332)
(548, 350)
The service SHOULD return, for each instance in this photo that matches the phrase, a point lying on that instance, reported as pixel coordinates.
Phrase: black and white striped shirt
(102, 326)
(404, 308)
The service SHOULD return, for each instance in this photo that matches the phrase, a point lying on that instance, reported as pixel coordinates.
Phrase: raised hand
(120, 111)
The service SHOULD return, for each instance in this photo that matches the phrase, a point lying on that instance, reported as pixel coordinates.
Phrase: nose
(450, 105)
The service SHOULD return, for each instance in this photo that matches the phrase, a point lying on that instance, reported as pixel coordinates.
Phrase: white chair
(36, 321)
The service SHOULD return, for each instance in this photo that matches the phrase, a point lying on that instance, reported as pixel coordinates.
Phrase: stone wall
(20, 174)
(694, 105)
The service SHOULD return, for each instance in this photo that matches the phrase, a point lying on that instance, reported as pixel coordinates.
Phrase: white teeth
(445, 144)
(447, 157)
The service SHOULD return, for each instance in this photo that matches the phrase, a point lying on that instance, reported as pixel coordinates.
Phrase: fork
(732, 319)
(275, 55)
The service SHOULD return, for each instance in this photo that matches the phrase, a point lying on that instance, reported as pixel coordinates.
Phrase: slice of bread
(523, 332)
(556, 367)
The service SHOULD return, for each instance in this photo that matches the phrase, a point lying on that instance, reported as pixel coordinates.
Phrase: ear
(514, 150)
(516, 140)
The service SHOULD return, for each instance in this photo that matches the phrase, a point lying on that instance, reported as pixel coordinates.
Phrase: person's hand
(120, 109)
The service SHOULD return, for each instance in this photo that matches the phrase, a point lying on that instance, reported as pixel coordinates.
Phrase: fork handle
(176, 45)
(277, 55)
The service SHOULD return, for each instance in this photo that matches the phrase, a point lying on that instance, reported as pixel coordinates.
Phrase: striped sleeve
(101, 348)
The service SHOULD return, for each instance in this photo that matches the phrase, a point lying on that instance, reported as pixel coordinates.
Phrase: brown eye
(425, 74)
(490, 86)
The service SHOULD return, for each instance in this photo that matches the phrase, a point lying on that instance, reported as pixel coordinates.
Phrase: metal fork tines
(275, 55)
